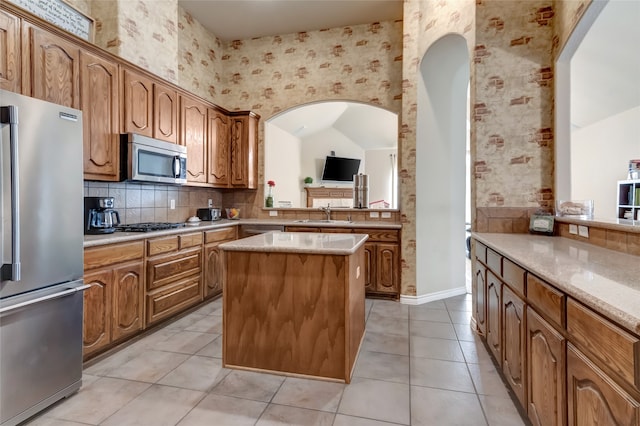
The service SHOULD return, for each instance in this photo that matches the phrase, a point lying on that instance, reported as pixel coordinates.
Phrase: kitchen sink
(322, 221)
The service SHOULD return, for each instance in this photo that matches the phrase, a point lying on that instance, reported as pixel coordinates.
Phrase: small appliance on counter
(99, 215)
(209, 214)
(360, 191)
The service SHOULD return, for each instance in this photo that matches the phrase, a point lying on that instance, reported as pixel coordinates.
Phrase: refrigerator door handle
(11, 271)
(44, 298)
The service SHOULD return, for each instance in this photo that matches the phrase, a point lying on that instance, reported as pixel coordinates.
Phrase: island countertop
(299, 242)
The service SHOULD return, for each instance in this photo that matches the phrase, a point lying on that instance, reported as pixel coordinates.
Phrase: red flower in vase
(271, 183)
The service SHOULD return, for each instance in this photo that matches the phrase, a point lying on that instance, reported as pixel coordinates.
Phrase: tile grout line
(484, 414)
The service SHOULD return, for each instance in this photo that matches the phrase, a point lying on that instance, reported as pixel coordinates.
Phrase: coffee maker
(99, 215)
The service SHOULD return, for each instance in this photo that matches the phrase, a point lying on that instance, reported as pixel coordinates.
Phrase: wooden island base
(294, 313)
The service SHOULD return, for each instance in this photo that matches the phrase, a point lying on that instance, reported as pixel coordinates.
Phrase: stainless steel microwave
(145, 159)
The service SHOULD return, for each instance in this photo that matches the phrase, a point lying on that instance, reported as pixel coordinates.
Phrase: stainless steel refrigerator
(41, 290)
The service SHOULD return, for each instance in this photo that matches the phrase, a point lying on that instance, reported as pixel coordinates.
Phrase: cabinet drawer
(220, 235)
(494, 262)
(302, 229)
(338, 230)
(190, 240)
(162, 245)
(481, 252)
(380, 235)
(171, 268)
(96, 257)
(609, 344)
(513, 275)
(175, 298)
(546, 299)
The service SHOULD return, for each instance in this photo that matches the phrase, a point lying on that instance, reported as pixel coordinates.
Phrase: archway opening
(441, 176)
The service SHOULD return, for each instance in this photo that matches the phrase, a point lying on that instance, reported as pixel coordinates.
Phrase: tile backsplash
(151, 203)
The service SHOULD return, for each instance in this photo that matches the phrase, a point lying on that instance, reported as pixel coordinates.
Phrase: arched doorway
(441, 169)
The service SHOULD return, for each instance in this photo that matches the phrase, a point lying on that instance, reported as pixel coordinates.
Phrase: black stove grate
(148, 226)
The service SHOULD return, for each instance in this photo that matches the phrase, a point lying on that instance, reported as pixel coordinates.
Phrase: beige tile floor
(419, 365)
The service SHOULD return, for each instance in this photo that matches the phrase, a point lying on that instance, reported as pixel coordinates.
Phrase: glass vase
(269, 200)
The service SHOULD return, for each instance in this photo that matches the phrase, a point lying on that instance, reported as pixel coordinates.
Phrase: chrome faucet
(327, 210)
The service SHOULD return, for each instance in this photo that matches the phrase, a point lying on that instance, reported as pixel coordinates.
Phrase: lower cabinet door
(480, 299)
(494, 325)
(386, 268)
(593, 398)
(96, 330)
(128, 301)
(514, 343)
(212, 271)
(546, 360)
(369, 267)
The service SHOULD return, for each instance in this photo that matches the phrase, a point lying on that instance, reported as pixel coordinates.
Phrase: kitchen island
(294, 303)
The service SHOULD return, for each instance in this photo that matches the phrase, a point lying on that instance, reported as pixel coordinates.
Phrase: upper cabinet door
(101, 124)
(165, 113)
(219, 160)
(137, 103)
(244, 151)
(193, 118)
(10, 52)
(55, 68)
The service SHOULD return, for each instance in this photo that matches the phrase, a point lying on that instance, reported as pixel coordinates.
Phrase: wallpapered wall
(271, 74)
(513, 108)
(424, 23)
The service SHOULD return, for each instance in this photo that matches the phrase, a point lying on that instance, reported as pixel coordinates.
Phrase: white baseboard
(432, 297)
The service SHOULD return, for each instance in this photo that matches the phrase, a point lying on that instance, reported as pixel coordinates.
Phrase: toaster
(208, 214)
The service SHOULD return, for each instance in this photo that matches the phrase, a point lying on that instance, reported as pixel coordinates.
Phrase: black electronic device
(340, 169)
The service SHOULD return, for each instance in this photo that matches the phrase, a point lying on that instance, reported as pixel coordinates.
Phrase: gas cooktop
(148, 226)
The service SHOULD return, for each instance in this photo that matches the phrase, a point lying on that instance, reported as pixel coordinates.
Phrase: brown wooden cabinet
(386, 272)
(546, 360)
(97, 312)
(165, 113)
(100, 102)
(193, 132)
(514, 343)
(137, 103)
(566, 363)
(219, 160)
(51, 67)
(480, 294)
(213, 264)
(494, 324)
(173, 275)
(10, 55)
(128, 288)
(369, 267)
(593, 399)
(244, 151)
(149, 108)
(113, 305)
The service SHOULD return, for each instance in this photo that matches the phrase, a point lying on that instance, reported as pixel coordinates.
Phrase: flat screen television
(340, 169)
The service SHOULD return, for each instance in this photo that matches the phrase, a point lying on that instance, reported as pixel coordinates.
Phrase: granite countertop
(299, 242)
(605, 280)
(121, 237)
(318, 224)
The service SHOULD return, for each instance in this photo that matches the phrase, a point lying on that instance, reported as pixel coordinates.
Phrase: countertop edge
(122, 237)
(626, 319)
(232, 246)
